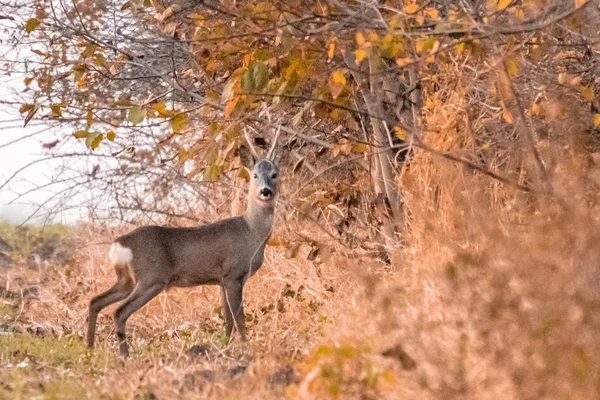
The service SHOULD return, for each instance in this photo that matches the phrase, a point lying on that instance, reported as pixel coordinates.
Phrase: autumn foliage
(437, 231)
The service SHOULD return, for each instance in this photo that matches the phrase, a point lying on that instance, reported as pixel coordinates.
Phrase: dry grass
(494, 300)
(494, 294)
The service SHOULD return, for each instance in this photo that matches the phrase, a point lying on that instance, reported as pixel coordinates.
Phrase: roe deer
(226, 253)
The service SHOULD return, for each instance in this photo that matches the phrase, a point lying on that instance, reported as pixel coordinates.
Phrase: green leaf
(32, 23)
(179, 122)
(247, 82)
(99, 59)
(260, 75)
(255, 78)
(136, 115)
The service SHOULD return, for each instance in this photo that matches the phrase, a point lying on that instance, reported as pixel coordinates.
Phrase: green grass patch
(50, 367)
(28, 239)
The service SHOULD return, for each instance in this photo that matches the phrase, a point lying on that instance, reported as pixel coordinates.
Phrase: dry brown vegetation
(492, 293)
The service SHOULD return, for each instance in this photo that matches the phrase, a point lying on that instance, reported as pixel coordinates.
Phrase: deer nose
(266, 192)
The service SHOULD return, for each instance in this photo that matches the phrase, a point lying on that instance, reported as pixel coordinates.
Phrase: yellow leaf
(27, 81)
(211, 66)
(56, 110)
(596, 120)
(564, 78)
(111, 136)
(432, 12)
(179, 122)
(507, 116)
(231, 105)
(400, 133)
(336, 83)
(96, 142)
(161, 109)
(502, 4)
(579, 3)
(360, 55)
(535, 109)
(460, 48)
(338, 77)
(402, 62)
(32, 23)
(425, 45)
(360, 148)
(588, 93)
(411, 8)
(99, 59)
(89, 118)
(360, 39)
(81, 80)
(512, 67)
(331, 51)
(81, 134)
(88, 51)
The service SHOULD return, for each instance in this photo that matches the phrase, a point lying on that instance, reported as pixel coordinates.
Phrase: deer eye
(274, 176)
(255, 176)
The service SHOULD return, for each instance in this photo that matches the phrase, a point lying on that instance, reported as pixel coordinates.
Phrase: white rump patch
(120, 255)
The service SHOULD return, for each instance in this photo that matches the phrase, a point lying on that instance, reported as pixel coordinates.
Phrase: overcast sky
(19, 154)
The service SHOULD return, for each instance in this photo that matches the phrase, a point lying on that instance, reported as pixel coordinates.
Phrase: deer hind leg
(233, 298)
(118, 292)
(142, 294)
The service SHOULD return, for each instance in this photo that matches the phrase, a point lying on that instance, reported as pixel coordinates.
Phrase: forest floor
(178, 346)
(505, 310)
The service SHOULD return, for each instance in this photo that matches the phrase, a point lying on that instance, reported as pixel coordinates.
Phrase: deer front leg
(233, 298)
(226, 312)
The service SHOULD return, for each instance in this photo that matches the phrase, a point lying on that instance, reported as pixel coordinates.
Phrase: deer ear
(246, 157)
(282, 155)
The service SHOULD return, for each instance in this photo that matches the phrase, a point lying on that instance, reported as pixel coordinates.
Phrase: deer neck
(260, 218)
